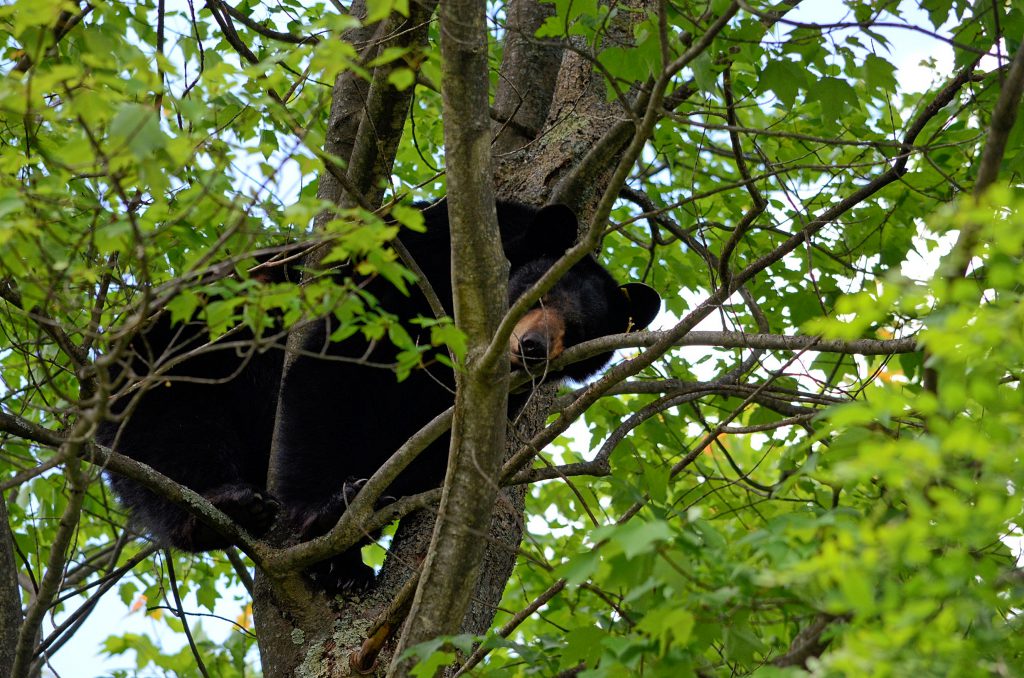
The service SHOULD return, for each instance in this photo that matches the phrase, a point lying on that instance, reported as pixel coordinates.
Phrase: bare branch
(771, 342)
(179, 612)
(760, 204)
(511, 625)
(256, 27)
(66, 630)
(240, 569)
(808, 642)
(50, 583)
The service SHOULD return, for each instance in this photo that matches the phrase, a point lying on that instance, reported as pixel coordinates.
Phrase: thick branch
(23, 428)
(50, 583)
(724, 339)
(807, 643)
(355, 523)
(1004, 115)
(168, 489)
(478, 268)
(10, 594)
(386, 107)
(347, 97)
(529, 69)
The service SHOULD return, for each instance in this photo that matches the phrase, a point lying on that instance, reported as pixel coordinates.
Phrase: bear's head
(586, 303)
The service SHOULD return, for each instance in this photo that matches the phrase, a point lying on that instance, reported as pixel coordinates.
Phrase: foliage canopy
(821, 478)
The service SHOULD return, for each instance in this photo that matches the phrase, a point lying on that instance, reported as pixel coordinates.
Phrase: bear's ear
(553, 230)
(642, 305)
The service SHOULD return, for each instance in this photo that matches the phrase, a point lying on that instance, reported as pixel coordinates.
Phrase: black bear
(327, 440)
(343, 413)
(204, 416)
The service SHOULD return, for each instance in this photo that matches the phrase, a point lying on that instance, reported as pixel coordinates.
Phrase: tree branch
(10, 593)
(50, 583)
(179, 612)
(67, 629)
(1004, 115)
(478, 268)
(386, 107)
(183, 496)
(355, 522)
(511, 625)
(65, 23)
(23, 428)
(526, 83)
(808, 642)
(728, 340)
(256, 27)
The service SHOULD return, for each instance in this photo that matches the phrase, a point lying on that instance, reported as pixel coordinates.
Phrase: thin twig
(180, 613)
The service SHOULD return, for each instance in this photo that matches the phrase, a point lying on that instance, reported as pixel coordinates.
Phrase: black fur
(327, 438)
(206, 422)
(341, 420)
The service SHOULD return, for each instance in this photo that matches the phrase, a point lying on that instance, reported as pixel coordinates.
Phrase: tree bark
(10, 594)
(302, 633)
(478, 268)
(529, 70)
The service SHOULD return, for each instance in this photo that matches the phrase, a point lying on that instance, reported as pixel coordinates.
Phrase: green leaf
(580, 567)
(582, 644)
(836, 96)
(668, 625)
(183, 306)
(741, 643)
(136, 126)
(221, 315)
(388, 55)
(447, 334)
(880, 74)
(636, 537)
(785, 78)
(376, 10)
(402, 78)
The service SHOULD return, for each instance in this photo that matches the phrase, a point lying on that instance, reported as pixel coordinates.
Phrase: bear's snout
(537, 338)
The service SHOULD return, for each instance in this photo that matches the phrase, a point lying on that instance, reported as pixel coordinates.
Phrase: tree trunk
(10, 594)
(550, 110)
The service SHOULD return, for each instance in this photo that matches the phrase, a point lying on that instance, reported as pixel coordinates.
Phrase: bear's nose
(534, 346)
